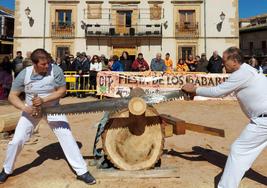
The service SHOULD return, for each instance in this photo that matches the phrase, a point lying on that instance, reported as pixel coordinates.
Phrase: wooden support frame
(180, 126)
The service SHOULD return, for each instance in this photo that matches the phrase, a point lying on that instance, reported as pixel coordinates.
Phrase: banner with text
(117, 84)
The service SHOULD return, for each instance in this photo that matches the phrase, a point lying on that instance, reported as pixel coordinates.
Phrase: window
(128, 18)
(63, 17)
(187, 17)
(94, 11)
(250, 45)
(124, 18)
(263, 44)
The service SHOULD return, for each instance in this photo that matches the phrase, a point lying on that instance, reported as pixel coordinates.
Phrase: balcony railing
(63, 30)
(148, 30)
(111, 13)
(186, 29)
(255, 52)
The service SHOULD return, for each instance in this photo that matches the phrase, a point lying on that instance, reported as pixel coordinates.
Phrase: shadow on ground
(52, 151)
(217, 159)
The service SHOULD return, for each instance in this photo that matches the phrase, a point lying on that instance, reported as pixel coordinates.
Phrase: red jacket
(140, 65)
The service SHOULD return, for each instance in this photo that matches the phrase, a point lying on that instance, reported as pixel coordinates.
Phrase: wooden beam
(168, 129)
(151, 173)
(179, 126)
(205, 130)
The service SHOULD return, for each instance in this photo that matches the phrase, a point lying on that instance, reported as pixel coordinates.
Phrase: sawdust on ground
(42, 164)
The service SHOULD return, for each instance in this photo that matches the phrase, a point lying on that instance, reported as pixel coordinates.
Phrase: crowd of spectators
(87, 67)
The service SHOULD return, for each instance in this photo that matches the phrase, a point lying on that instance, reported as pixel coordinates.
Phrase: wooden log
(8, 122)
(137, 106)
(134, 142)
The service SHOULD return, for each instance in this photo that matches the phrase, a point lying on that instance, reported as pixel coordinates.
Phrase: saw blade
(88, 107)
(165, 97)
(111, 105)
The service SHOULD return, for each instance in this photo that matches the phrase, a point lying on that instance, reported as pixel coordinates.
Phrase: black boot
(3, 176)
(87, 178)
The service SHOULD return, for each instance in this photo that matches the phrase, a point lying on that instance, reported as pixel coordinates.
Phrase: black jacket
(215, 65)
(83, 65)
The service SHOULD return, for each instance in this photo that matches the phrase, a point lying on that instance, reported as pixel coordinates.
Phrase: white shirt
(250, 88)
(96, 66)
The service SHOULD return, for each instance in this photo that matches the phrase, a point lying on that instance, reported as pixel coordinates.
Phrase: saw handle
(36, 109)
(188, 96)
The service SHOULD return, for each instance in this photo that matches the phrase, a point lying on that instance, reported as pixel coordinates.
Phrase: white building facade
(180, 27)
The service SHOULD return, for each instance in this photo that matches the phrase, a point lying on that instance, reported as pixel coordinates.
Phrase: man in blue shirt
(157, 64)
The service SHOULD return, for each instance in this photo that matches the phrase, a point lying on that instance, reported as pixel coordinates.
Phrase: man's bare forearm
(55, 95)
(14, 99)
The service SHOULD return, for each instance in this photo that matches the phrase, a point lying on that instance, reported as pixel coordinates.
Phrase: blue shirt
(117, 66)
(158, 65)
(18, 83)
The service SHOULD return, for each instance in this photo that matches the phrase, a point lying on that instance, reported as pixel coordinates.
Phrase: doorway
(131, 51)
(62, 50)
(185, 51)
(123, 21)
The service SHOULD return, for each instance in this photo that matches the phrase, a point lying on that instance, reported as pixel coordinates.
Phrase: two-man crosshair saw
(133, 138)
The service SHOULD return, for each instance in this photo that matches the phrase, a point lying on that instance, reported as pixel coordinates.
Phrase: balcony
(258, 52)
(63, 30)
(148, 30)
(186, 29)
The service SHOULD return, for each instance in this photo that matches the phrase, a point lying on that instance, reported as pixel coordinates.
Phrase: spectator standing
(5, 78)
(168, 63)
(88, 57)
(215, 63)
(182, 66)
(264, 66)
(17, 63)
(126, 61)
(255, 64)
(116, 64)
(140, 64)
(104, 62)
(27, 60)
(202, 64)
(61, 64)
(95, 67)
(157, 64)
(6, 65)
(191, 63)
(82, 68)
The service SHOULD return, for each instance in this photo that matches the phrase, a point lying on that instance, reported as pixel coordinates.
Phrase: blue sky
(247, 8)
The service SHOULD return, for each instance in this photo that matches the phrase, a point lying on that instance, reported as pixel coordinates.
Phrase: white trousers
(63, 133)
(243, 152)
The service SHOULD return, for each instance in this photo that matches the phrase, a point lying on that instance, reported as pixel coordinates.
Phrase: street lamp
(222, 16)
(219, 25)
(28, 12)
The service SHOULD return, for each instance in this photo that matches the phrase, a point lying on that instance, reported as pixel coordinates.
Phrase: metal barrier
(78, 83)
